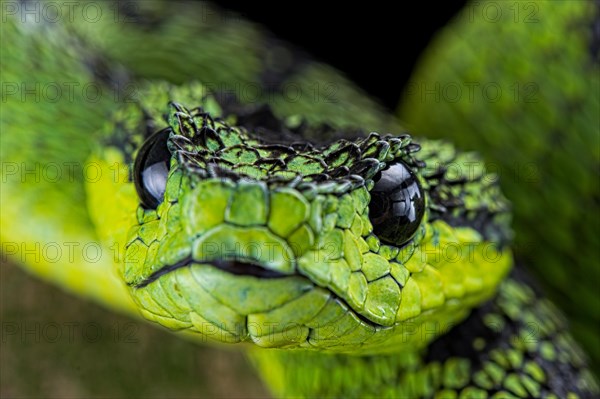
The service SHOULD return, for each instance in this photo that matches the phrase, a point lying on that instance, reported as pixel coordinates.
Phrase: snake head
(374, 243)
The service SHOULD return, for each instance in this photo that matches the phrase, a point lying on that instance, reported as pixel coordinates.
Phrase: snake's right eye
(397, 204)
(152, 168)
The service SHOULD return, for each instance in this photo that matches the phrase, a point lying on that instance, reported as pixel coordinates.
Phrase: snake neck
(509, 347)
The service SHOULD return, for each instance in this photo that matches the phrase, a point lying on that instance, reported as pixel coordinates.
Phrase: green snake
(351, 263)
(547, 109)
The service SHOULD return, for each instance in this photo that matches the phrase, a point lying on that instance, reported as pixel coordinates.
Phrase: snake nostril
(245, 268)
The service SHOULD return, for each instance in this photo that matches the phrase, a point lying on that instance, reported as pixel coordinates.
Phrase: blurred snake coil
(347, 258)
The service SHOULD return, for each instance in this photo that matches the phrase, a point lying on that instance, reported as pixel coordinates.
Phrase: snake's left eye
(397, 204)
(152, 168)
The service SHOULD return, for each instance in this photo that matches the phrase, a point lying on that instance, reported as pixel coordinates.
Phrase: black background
(377, 48)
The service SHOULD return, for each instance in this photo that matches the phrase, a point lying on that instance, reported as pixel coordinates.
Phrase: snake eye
(152, 168)
(397, 204)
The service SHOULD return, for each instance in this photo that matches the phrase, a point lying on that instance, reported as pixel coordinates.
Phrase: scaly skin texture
(540, 131)
(301, 212)
(473, 361)
(67, 57)
(374, 305)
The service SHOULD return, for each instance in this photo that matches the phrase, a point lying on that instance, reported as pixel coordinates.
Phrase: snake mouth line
(246, 268)
(233, 266)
